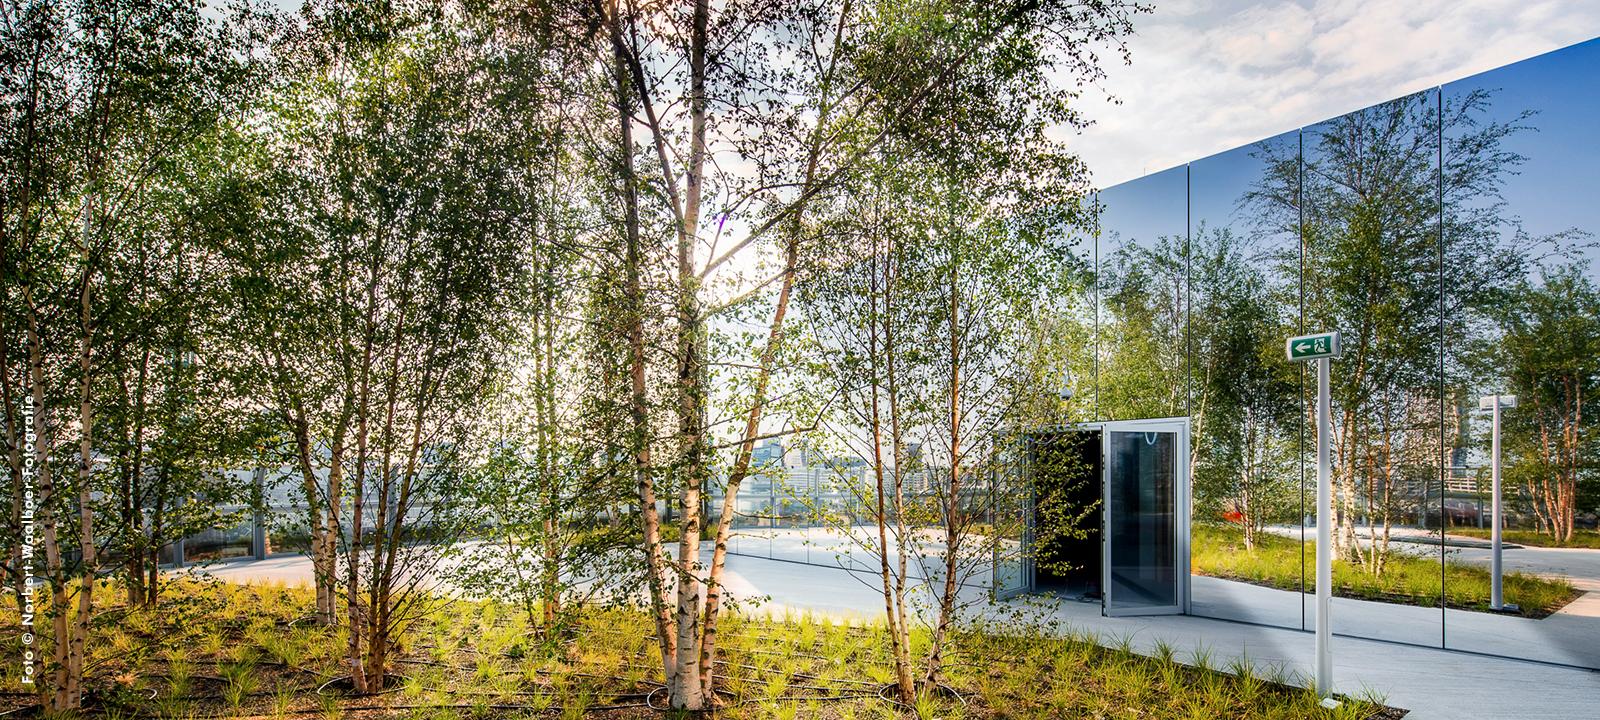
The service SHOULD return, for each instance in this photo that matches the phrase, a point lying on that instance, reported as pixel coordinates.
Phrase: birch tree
(107, 96)
(766, 83)
(1246, 444)
(1549, 341)
(944, 256)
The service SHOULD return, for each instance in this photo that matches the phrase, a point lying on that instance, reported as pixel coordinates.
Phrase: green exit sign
(1314, 347)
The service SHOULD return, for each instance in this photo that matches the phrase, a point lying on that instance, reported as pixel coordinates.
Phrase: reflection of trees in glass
(1550, 350)
(1243, 390)
(1063, 481)
(1373, 238)
(1240, 394)
(1142, 331)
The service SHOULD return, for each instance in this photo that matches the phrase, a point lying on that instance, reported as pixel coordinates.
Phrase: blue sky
(1558, 186)
(1212, 75)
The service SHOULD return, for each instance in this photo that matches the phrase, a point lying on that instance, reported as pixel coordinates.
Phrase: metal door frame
(1179, 426)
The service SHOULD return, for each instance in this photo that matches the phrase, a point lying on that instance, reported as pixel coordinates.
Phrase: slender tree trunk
(1569, 485)
(952, 536)
(892, 600)
(86, 546)
(128, 527)
(685, 686)
(544, 407)
(327, 549)
(133, 562)
(316, 517)
(14, 461)
(741, 465)
(384, 542)
(1538, 491)
(356, 611)
(1247, 511)
(47, 516)
(638, 400)
(900, 625)
(138, 531)
(48, 522)
(157, 532)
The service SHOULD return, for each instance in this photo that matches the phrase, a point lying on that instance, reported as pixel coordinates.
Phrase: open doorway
(1067, 513)
(1104, 516)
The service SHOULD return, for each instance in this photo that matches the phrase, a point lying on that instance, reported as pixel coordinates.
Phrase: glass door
(1146, 562)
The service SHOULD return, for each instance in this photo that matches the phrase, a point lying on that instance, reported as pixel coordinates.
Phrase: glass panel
(1524, 318)
(1141, 520)
(1245, 405)
(1142, 298)
(758, 501)
(1071, 326)
(1011, 503)
(789, 541)
(1371, 270)
(287, 531)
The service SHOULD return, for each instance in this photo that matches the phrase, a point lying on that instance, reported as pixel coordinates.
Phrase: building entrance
(1105, 517)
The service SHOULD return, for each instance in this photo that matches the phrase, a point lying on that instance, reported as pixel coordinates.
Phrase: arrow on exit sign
(1313, 347)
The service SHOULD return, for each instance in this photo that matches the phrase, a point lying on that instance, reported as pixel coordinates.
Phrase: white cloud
(1207, 77)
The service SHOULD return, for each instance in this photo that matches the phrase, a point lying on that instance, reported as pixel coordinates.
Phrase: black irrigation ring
(649, 698)
(886, 692)
(399, 682)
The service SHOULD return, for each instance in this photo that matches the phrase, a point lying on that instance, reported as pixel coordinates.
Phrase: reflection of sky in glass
(1553, 190)
(1555, 187)
(1139, 211)
(1218, 184)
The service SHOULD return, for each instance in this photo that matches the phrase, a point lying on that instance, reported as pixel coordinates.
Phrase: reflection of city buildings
(281, 524)
(800, 487)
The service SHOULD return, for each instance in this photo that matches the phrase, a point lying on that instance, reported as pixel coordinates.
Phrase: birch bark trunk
(638, 399)
(934, 672)
(86, 546)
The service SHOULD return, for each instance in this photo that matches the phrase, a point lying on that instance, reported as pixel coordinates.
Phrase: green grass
(458, 663)
(1585, 539)
(1275, 561)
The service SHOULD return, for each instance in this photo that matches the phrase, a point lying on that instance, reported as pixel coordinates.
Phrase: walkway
(1431, 683)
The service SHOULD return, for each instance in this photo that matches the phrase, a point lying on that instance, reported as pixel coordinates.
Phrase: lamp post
(1494, 403)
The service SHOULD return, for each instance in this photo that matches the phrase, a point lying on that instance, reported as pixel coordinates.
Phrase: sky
(1210, 76)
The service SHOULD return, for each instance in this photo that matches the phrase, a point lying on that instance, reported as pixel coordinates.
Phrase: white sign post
(1494, 403)
(1322, 348)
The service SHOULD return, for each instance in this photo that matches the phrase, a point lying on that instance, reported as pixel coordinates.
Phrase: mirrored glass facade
(1449, 235)
(1246, 413)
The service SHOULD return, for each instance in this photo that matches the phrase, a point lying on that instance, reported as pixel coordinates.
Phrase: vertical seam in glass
(1300, 327)
(1444, 465)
